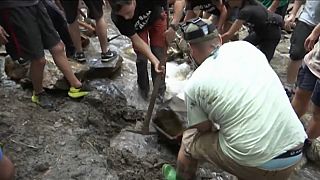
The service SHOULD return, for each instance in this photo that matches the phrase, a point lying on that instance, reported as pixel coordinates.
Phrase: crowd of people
(239, 114)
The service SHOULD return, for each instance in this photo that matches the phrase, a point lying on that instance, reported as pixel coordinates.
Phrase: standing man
(266, 26)
(309, 88)
(26, 30)
(144, 21)
(95, 8)
(259, 135)
(308, 19)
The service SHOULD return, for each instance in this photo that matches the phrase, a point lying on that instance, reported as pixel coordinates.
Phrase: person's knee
(7, 169)
(58, 48)
(40, 62)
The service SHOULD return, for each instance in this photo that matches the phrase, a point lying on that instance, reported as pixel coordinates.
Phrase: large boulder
(53, 77)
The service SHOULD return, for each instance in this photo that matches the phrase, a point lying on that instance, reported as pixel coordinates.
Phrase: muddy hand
(3, 36)
(289, 23)
(160, 68)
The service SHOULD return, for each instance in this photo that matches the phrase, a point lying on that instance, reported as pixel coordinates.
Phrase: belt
(289, 153)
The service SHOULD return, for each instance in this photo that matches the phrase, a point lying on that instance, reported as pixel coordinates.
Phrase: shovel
(145, 126)
(155, 91)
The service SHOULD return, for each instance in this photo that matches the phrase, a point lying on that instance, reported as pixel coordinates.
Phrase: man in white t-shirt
(258, 134)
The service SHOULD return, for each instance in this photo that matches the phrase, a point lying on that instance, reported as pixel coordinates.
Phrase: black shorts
(31, 31)
(309, 82)
(71, 9)
(299, 35)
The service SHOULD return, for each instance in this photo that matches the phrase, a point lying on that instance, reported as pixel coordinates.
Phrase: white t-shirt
(312, 59)
(311, 13)
(239, 91)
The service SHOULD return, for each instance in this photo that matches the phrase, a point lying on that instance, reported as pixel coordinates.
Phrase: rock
(62, 143)
(100, 69)
(40, 140)
(57, 124)
(107, 98)
(53, 77)
(3, 74)
(14, 70)
(42, 167)
(313, 152)
(140, 146)
(284, 45)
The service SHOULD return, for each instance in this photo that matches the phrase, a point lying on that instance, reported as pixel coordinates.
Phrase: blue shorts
(309, 82)
(1, 156)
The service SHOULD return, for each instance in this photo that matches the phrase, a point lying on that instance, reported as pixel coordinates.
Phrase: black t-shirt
(17, 3)
(146, 12)
(255, 15)
(208, 6)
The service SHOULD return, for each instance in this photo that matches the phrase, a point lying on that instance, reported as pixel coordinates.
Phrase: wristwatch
(175, 27)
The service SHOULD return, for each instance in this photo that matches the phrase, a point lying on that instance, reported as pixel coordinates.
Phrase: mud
(73, 141)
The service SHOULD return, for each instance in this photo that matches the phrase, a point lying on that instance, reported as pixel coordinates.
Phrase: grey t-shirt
(311, 13)
(17, 3)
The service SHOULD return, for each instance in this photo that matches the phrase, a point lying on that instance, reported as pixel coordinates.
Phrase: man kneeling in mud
(258, 134)
(6, 168)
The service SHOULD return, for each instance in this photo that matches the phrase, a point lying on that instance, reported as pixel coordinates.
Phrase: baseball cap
(198, 30)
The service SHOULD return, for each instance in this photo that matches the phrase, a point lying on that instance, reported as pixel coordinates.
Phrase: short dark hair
(116, 5)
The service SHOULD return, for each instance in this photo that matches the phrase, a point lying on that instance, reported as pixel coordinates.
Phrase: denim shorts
(1, 155)
(309, 82)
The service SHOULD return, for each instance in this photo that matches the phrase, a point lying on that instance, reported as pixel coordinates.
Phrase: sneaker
(79, 56)
(42, 100)
(105, 57)
(78, 92)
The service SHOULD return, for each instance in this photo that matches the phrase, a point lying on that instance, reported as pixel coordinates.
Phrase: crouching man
(234, 89)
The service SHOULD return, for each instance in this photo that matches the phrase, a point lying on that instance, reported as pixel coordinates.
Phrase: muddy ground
(72, 141)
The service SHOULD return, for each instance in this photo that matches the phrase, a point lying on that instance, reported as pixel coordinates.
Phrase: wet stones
(42, 167)
(140, 146)
(53, 77)
(107, 98)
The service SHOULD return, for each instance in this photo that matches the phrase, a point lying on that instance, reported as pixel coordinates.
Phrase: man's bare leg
(62, 63)
(186, 166)
(36, 73)
(300, 102)
(75, 35)
(313, 130)
(292, 72)
(101, 29)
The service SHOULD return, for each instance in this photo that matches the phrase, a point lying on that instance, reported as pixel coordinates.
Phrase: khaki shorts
(205, 147)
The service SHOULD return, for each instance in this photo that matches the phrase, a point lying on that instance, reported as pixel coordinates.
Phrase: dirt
(72, 141)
